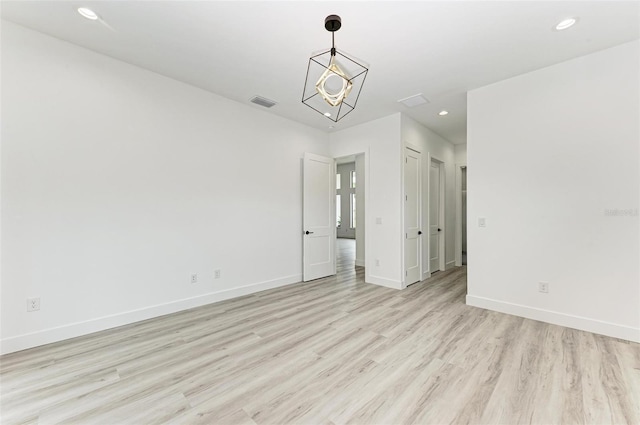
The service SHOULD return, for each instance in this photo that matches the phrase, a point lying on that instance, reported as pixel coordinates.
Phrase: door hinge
(406, 198)
(406, 273)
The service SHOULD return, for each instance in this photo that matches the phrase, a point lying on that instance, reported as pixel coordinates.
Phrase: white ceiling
(240, 49)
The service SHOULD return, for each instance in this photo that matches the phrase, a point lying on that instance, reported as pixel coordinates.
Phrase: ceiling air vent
(415, 100)
(263, 101)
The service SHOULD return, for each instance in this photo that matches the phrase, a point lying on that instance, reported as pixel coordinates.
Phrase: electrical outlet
(216, 274)
(33, 304)
(194, 278)
(543, 287)
(482, 222)
(377, 263)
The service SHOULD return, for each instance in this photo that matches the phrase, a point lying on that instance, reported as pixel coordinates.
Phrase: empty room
(316, 212)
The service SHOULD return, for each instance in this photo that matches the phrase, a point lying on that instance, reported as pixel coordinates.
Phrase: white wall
(551, 154)
(461, 154)
(430, 145)
(117, 183)
(379, 140)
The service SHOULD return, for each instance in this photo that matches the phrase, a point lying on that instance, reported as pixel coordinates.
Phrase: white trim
(443, 215)
(576, 322)
(73, 330)
(381, 281)
(458, 232)
(412, 147)
(449, 265)
(359, 263)
(368, 217)
(334, 230)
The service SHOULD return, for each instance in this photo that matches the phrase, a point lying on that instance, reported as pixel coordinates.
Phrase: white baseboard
(47, 336)
(450, 265)
(359, 263)
(576, 322)
(382, 281)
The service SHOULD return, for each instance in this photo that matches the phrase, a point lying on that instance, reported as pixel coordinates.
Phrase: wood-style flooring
(331, 351)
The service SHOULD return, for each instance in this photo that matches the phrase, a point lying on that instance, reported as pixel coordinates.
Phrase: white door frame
(421, 220)
(345, 230)
(368, 221)
(459, 168)
(360, 210)
(441, 214)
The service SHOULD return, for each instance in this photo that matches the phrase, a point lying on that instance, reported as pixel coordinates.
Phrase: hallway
(346, 255)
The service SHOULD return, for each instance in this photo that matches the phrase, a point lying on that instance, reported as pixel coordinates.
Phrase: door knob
(439, 230)
(307, 232)
(419, 232)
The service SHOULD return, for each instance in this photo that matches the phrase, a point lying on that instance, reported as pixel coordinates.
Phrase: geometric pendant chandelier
(334, 80)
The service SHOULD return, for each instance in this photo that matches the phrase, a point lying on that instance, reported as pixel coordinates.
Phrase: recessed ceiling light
(87, 13)
(443, 113)
(566, 23)
(327, 114)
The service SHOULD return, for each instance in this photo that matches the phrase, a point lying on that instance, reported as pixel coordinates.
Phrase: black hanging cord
(333, 43)
(333, 23)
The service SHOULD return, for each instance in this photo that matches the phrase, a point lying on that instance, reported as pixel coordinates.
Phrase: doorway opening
(461, 215)
(346, 202)
(350, 220)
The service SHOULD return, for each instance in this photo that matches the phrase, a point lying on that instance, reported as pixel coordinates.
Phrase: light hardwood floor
(331, 351)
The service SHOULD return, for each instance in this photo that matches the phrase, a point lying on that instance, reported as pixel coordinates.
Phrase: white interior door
(412, 213)
(318, 217)
(435, 229)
